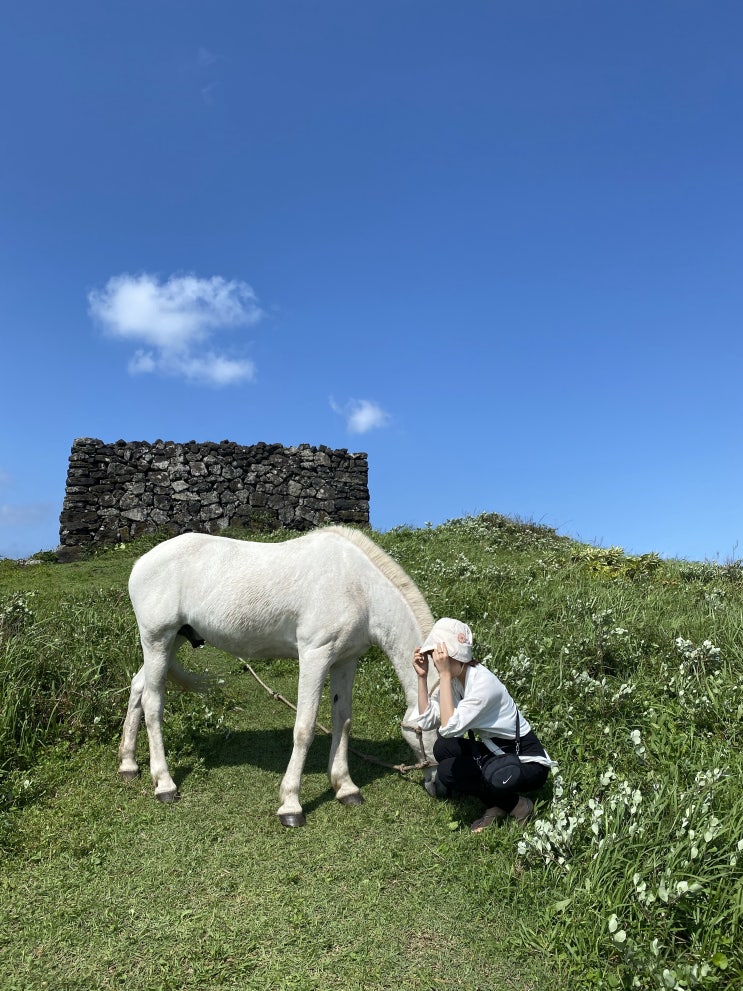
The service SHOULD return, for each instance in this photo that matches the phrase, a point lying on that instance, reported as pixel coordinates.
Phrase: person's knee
(445, 773)
(535, 779)
(441, 750)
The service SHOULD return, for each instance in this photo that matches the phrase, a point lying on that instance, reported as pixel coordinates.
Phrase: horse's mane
(392, 571)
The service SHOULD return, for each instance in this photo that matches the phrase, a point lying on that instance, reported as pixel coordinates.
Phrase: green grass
(630, 876)
(106, 888)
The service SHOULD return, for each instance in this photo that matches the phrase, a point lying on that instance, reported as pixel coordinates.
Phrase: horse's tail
(190, 682)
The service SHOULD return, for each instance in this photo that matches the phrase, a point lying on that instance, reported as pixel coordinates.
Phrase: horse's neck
(395, 630)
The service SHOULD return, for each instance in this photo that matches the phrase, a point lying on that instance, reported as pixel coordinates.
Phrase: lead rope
(425, 761)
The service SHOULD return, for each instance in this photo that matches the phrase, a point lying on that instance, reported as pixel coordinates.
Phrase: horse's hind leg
(156, 663)
(128, 767)
(341, 688)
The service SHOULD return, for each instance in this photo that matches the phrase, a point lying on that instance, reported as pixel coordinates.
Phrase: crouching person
(485, 747)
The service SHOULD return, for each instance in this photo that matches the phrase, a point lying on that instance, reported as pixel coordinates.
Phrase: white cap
(457, 637)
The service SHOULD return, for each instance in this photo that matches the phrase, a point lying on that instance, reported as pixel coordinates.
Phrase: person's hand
(441, 659)
(420, 663)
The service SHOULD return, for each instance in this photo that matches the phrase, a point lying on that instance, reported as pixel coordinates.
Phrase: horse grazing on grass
(323, 598)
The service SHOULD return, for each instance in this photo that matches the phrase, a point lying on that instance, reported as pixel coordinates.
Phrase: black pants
(459, 771)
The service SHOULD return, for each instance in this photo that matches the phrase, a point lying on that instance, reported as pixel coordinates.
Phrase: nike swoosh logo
(506, 780)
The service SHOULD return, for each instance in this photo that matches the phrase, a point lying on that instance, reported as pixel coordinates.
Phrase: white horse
(324, 598)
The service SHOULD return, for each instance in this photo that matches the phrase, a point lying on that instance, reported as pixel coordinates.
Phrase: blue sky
(495, 245)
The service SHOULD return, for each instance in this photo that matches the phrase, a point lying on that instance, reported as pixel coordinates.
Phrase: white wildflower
(607, 777)
(617, 934)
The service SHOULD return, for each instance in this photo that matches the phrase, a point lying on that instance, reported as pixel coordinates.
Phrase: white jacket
(483, 706)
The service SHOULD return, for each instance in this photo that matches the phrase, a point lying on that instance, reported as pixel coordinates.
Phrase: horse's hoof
(292, 819)
(355, 798)
(167, 797)
(129, 775)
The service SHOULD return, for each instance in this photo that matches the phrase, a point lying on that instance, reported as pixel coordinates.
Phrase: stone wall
(116, 492)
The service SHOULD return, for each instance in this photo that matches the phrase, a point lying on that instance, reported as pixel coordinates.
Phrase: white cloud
(207, 92)
(143, 362)
(361, 415)
(214, 369)
(209, 63)
(175, 320)
(205, 58)
(176, 313)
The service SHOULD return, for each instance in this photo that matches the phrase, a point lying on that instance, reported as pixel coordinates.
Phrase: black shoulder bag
(500, 770)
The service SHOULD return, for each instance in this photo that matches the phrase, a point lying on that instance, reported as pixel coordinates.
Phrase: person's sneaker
(522, 811)
(493, 814)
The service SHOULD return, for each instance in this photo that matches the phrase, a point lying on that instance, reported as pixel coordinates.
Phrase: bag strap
(473, 739)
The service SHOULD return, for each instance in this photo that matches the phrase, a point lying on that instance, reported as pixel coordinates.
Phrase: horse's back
(193, 553)
(246, 593)
(200, 566)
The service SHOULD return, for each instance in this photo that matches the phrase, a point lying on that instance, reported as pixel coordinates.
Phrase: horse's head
(421, 743)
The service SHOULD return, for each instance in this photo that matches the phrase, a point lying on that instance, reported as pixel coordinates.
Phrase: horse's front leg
(341, 689)
(128, 767)
(313, 666)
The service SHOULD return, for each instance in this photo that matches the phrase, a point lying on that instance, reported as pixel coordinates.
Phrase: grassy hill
(630, 875)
